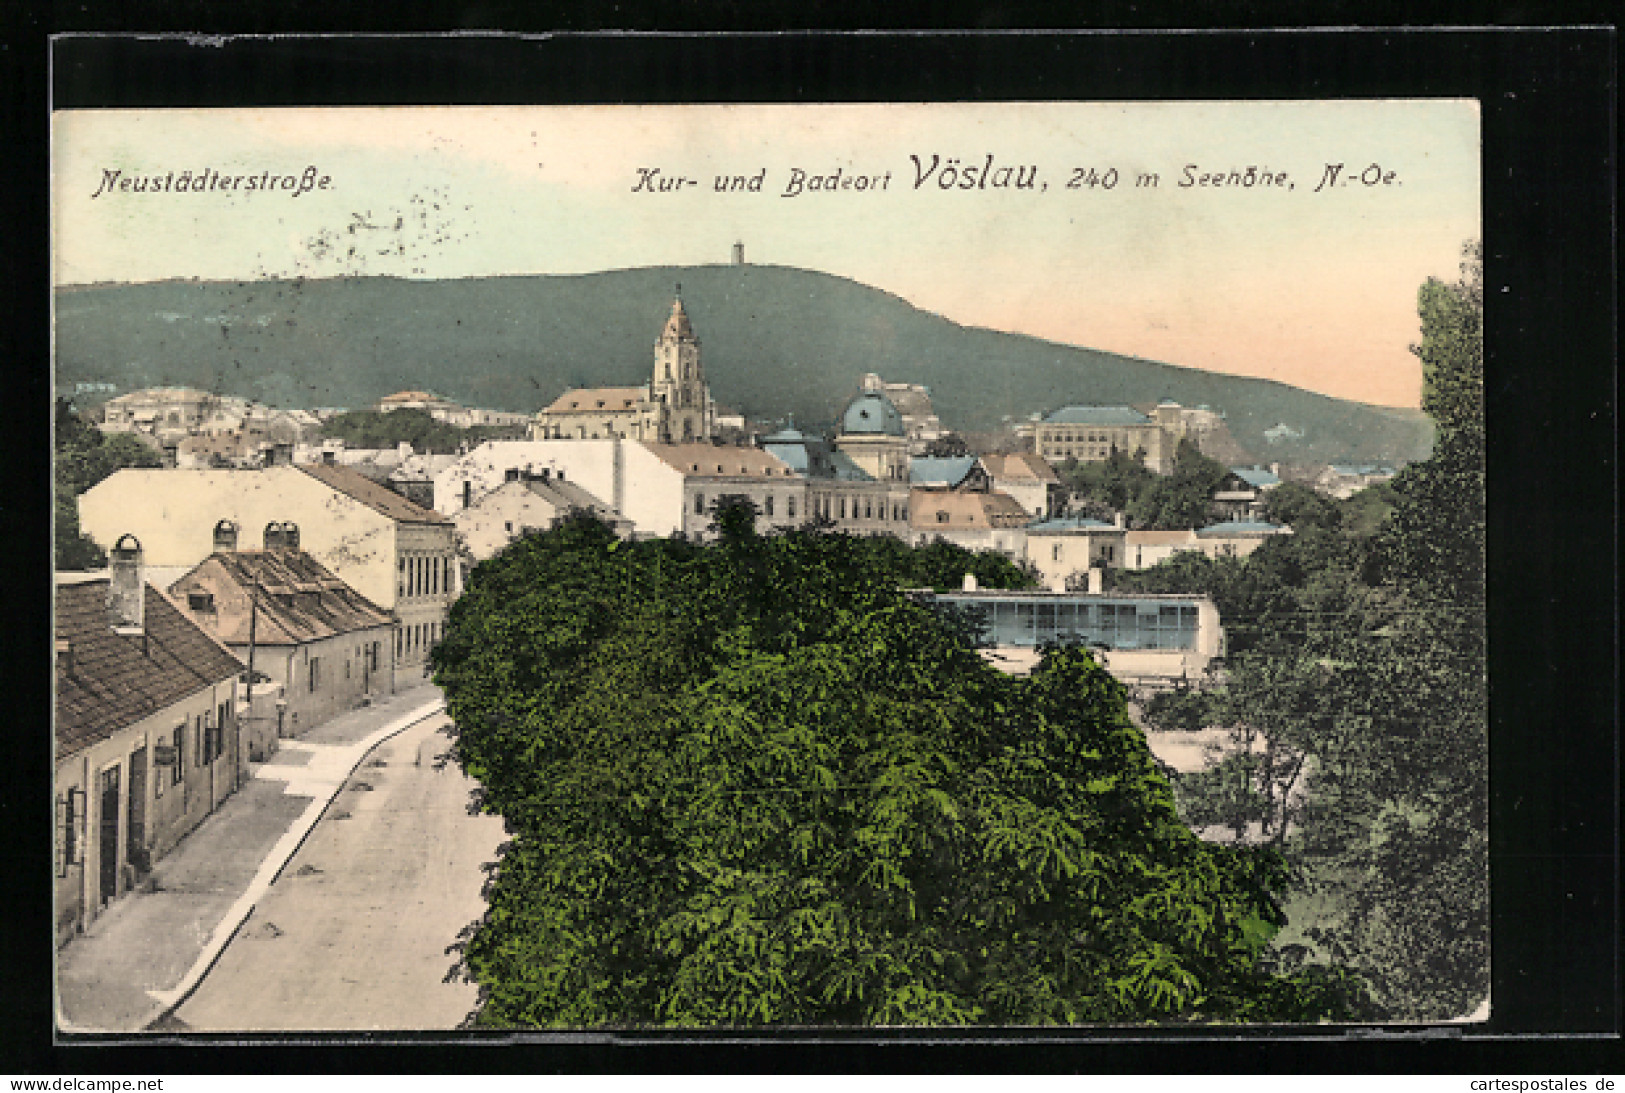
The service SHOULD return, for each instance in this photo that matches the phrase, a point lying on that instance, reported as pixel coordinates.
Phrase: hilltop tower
(678, 383)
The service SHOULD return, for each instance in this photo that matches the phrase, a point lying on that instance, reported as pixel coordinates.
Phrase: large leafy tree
(83, 457)
(757, 783)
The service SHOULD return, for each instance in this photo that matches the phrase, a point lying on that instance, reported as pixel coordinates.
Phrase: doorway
(108, 843)
(135, 828)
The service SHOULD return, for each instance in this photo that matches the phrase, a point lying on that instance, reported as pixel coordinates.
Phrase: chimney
(126, 598)
(1097, 580)
(970, 582)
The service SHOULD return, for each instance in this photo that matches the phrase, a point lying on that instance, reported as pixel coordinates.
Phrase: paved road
(353, 935)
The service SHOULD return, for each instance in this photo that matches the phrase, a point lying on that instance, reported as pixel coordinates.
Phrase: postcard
(504, 561)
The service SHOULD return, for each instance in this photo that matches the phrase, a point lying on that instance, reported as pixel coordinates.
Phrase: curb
(271, 868)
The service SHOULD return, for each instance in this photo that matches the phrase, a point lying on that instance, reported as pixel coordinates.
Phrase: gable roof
(1027, 465)
(296, 599)
(964, 511)
(1097, 415)
(380, 499)
(598, 400)
(108, 681)
(720, 461)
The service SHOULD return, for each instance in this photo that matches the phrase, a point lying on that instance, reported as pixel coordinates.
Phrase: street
(353, 934)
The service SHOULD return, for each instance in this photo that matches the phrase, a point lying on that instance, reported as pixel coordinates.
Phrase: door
(108, 844)
(135, 828)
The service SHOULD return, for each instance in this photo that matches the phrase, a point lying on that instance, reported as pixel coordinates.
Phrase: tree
(83, 457)
(756, 783)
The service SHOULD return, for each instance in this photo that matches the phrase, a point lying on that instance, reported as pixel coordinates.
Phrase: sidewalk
(147, 952)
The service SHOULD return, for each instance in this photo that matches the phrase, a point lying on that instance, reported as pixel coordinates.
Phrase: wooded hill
(776, 341)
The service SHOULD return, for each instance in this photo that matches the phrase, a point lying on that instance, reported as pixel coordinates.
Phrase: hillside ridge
(776, 341)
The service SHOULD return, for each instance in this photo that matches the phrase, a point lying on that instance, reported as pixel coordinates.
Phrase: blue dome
(872, 413)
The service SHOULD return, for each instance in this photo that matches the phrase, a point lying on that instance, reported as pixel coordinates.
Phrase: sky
(1293, 278)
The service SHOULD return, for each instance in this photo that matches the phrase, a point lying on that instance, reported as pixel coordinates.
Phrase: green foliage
(1299, 507)
(83, 457)
(1180, 499)
(1356, 696)
(368, 429)
(756, 783)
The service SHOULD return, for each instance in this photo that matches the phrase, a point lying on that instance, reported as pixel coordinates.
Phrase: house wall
(168, 808)
(426, 581)
(173, 513)
(781, 503)
(344, 678)
(1059, 555)
(590, 464)
(500, 517)
(861, 508)
(1010, 542)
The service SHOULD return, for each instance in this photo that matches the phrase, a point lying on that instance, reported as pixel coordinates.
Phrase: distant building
(1143, 639)
(145, 731)
(1225, 539)
(1240, 494)
(1281, 432)
(675, 406)
(975, 520)
(872, 436)
(524, 503)
(1064, 549)
(840, 494)
(1199, 425)
(325, 647)
(396, 554)
(1094, 433)
(913, 403)
(1026, 477)
(663, 489)
(448, 412)
(172, 412)
(1343, 481)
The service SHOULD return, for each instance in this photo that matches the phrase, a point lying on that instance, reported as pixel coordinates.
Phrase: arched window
(225, 536)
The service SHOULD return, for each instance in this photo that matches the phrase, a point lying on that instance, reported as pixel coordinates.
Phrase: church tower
(678, 385)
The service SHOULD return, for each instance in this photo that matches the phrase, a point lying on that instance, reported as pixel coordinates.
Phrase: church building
(674, 407)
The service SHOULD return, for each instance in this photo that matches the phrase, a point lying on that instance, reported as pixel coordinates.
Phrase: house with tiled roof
(1094, 433)
(1026, 477)
(1240, 493)
(975, 520)
(146, 741)
(323, 647)
(397, 554)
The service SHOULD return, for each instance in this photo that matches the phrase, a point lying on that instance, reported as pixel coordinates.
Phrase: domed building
(872, 436)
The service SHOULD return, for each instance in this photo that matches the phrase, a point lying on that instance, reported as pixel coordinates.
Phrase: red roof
(106, 681)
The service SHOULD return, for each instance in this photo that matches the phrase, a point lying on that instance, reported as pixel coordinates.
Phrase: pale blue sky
(1317, 290)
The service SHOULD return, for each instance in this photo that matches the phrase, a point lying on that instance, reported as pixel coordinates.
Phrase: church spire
(678, 328)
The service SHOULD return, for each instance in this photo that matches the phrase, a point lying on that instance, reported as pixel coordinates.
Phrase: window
(699, 504)
(157, 777)
(942, 517)
(843, 508)
(1055, 553)
(769, 507)
(790, 506)
(315, 673)
(178, 771)
(372, 657)
(401, 590)
(200, 601)
(206, 740)
(70, 814)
